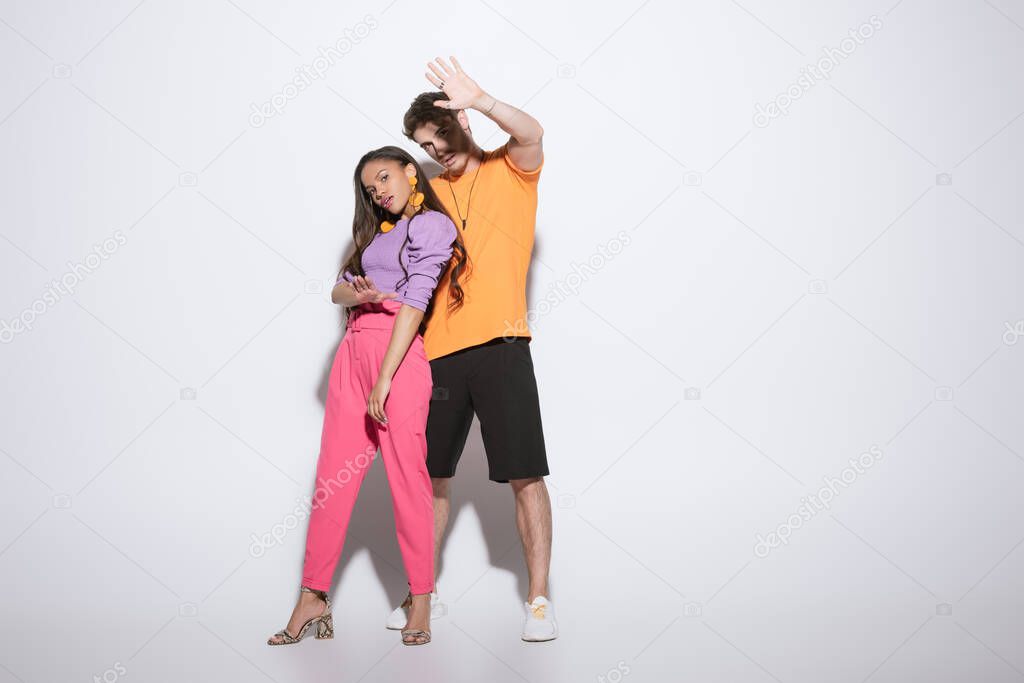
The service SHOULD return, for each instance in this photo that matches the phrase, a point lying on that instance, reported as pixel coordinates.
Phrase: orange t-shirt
(500, 224)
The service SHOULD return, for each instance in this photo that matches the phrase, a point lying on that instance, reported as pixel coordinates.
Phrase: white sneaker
(399, 617)
(539, 624)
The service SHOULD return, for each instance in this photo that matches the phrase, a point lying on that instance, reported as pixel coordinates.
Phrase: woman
(380, 384)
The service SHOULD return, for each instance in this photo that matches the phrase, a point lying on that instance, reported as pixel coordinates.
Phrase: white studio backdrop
(776, 296)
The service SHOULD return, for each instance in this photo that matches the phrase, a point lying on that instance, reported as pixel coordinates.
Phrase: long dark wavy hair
(368, 217)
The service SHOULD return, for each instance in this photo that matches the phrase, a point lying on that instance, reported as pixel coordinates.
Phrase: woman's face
(386, 182)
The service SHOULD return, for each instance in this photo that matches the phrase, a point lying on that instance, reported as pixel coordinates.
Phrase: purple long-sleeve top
(425, 256)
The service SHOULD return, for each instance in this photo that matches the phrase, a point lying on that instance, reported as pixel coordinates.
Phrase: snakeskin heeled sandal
(324, 623)
(421, 637)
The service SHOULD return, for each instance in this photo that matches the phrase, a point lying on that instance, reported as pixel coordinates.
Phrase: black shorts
(496, 381)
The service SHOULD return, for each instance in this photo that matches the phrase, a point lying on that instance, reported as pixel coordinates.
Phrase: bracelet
(492, 105)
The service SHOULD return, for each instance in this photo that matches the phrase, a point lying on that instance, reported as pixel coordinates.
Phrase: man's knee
(527, 485)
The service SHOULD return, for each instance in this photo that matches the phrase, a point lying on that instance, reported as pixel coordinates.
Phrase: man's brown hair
(423, 111)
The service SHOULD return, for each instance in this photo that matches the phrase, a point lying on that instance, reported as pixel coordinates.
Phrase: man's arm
(525, 141)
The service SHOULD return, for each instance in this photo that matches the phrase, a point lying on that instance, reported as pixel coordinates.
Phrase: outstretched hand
(462, 91)
(367, 292)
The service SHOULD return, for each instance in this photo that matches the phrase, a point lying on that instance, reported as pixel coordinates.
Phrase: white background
(790, 296)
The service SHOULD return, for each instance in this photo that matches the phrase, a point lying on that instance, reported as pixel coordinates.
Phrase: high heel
(325, 627)
(417, 636)
(324, 623)
(416, 633)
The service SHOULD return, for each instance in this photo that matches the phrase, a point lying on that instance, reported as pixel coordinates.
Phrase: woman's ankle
(312, 595)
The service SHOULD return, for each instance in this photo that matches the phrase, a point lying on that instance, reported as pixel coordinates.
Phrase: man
(479, 353)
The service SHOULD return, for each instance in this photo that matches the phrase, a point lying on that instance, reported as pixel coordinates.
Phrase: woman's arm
(407, 322)
(360, 291)
(430, 246)
(344, 294)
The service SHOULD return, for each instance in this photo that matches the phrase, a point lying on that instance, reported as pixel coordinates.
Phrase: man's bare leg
(442, 505)
(533, 518)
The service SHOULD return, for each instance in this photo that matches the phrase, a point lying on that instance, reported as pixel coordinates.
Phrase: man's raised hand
(462, 91)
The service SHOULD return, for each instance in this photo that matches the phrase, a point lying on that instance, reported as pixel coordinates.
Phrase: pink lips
(387, 202)
(449, 159)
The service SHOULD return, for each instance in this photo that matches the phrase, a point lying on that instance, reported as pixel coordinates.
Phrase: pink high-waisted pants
(350, 440)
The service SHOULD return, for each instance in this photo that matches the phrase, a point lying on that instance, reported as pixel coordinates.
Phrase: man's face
(448, 144)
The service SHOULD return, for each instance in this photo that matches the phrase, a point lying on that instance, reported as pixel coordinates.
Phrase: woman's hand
(367, 292)
(375, 404)
(462, 91)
